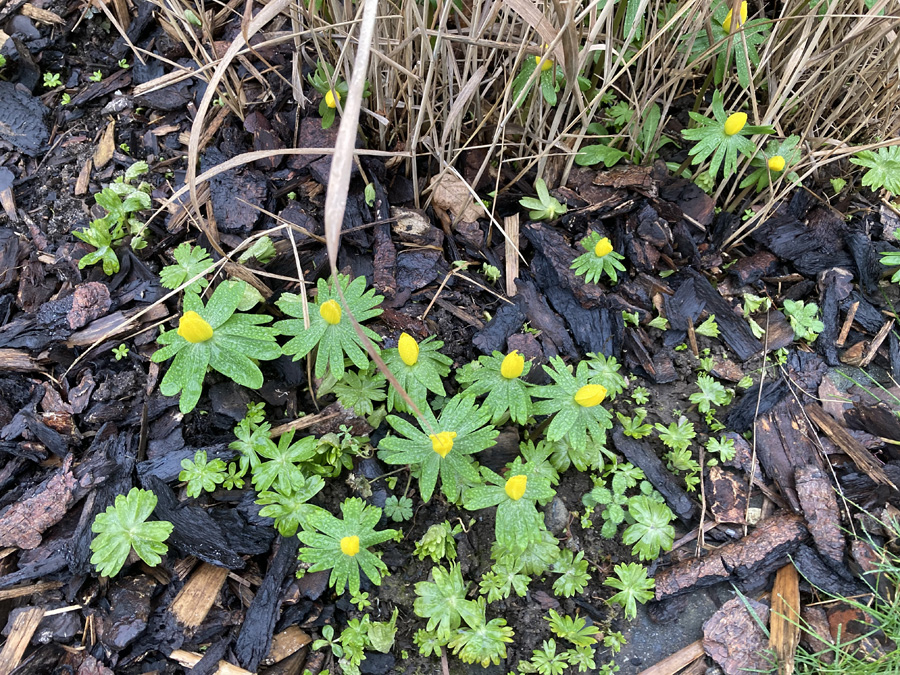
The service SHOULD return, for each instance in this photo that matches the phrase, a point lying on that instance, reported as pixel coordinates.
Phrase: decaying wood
(16, 360)
(764, 550)
(23, 628)
(511, 225)
(31, 589)
(289, 641)
(726, 493)
(191, 659)
(820, 507)
(195, 599)
(680, 659)
(643, 457)
(23, 522)
(733, 638)
(784, 623)
(863, 459)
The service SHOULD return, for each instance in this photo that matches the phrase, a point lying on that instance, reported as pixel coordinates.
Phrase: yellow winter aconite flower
(442, 442)
(603, 247)
(726, 24)
(332, 97)
(513, 365)
(590, 395)
(350, 545)
(331, 312)
(735, 123)
(546, 65)
(194, 328)
(776, 163)
(408, 348)
(515, 487)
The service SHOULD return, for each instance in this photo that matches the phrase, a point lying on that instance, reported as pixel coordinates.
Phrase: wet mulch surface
(80, 425)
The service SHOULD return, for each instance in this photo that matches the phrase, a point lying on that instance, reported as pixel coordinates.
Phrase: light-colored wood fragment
(17, 360)
(30, 589)
(876, 343)
(845, 329)
(23, 628)
(784, 619)
(84, 178)
(42, 15)
(106, 146)
(289, 641)
(196, 598)
(672, 664)
(511, 225)
(191, 659)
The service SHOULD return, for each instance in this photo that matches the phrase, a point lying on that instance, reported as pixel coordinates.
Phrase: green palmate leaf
(547, 662)
(504, 578)
(651, 531)
(600, 259)
(517, 522)
(633, 586)
(438, 543)
(804, 319)
(712, 139)
(229, 343)
(545, 207)
(189, 262)
(535, 560)
(595, 154)
(200, 474)
(506, 393)
(572, 419)
(360, 390)
(424, 374)
(712, 393)
(443, 601)
(289, 509)
(884, 168)
(482, 641)
(604, 370)
(334, 340)
(462, 426)
(575, 630)
(892, 259)
(124, 526)
(281, 470)
(341, 544)
(573, 575)
(398, 509)
(708, 328)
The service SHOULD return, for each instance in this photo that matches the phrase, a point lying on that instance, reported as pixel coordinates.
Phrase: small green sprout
(708, 328)
(503, 578)
(190, 261)
(547, 662)
(96, 76)
(634, 426)
(289, 509)
(573, 575)
(723, 137)
(419, 368)
(438, 543)
(123, 64)
(342, 544)
(574, 630)
(804, 319)
(892, 259)
(66, 99)
(722, 447)
(333, 90)
(192, 18)
(52, 80)
(482, 641)
(883, 168)
(214, 336)
(398, 509)
(500, 377)
(262, 251)
(120, 352)
(361, 600)
(201, 475)
(445, 449)
(712, 393)
(517, 522)
(443, 601)
(640, 395)
(651, 532)
(600, 259)
(633, 585)
(329, 327)
(124, 526)
(491, 273)
(544, 207)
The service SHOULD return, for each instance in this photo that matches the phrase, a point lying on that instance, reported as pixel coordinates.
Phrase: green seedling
(52, 80)
(120, 352)
(600, 259)
(804, 319)
(536, 559)
(262, 251)
(482, 641)
(289, 508)
(334, 90)
(574, 630)
(574, 400)
(573, 575)
(342, 544)
(329, 328)
(633, 585)
(708, 328)
(190, 262)
(589, 155)
(640, 395)
(722, 447)
(491, 273)
(634, 426)
(358, 391)
(500, 377)
(659, 322)
(122, 201)
(517, 522)
(123, 527)
(214, 336)
(369, 194)
(712, 393)
(96, 76)
(123, 64)
(546, 661)
(544, 207)
(503, 578)
(883, 168)
(438, 543)
(398, 509)
(651, 532)
(66, 99)
(723, 137)
(419, 368)
(775, 162)
(443, 450)
(443, 601)
(201, 475)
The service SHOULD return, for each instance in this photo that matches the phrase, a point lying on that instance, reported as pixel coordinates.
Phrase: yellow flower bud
(546, 65)
(332, 97)
(590, 395)
(726, 24)
(776, 164)
(603, 247)
(350, 545)
(442, 442)
(513, 365)
(194, 328)
(408, 348)
(331, 312)
(515, 487)
(735, 123)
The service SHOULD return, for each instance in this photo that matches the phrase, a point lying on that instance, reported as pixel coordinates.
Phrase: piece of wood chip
(84, 178)
(42, 15)
(511, 225)
(784, 618)
(680, 659)
(196, 598)
(30, 589)
(106, 146)
(191, 659)
(23, 628)
(289, 641)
